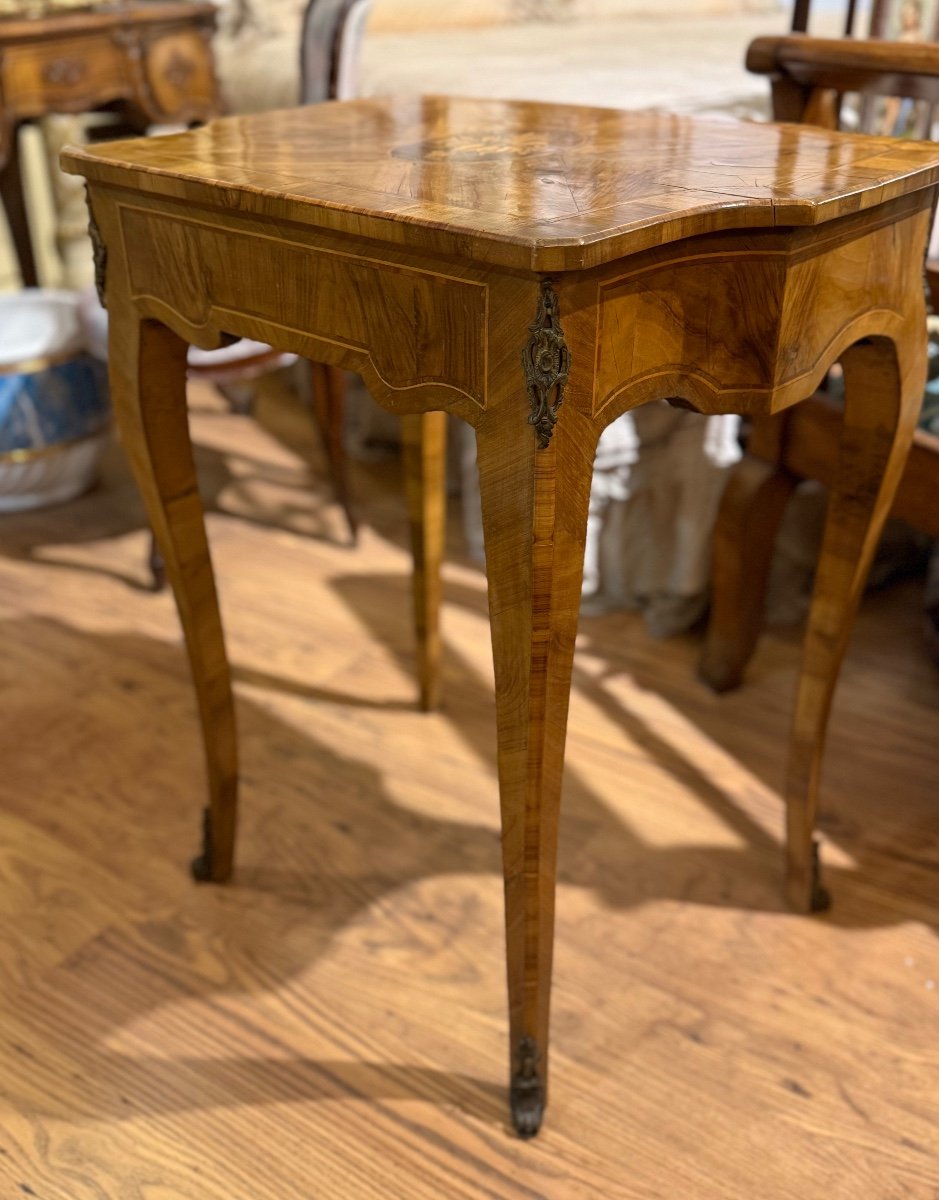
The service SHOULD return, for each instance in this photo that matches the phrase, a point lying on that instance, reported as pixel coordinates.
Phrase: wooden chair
(879, 18)
(810, 78)
(330, 42)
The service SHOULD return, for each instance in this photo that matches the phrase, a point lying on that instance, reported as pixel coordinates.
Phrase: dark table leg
(14, 204)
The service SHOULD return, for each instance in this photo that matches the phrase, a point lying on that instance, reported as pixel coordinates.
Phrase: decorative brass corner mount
(100, 251)
(527, 1091)
(546, 361)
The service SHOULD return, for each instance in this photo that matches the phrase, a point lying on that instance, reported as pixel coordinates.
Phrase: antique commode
(536, 270)
(147, 63)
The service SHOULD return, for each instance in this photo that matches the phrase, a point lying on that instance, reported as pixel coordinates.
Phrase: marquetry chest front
(150, 62)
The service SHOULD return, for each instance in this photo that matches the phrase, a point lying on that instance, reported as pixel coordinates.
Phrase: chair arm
(849, 64)
(330, 41)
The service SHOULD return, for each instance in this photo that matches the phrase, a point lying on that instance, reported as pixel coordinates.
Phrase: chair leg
(156, 564)
(883, 392)
(328, 389)
(148, 390)
(14, 203)
(240, 397)
(425, 460)
(748, 520)
(534, 506)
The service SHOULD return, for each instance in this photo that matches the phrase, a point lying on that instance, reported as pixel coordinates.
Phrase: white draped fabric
(658, 478)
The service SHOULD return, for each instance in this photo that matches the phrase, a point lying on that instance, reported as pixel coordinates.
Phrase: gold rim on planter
(31, 453)
(33, 366)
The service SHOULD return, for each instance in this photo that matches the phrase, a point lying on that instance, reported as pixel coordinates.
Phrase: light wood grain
(328, 399)
(331, 1022)
(147, 369)
(424, 437)
(883, 395)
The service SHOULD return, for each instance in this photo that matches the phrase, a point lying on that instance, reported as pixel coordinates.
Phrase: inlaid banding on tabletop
(542, 187)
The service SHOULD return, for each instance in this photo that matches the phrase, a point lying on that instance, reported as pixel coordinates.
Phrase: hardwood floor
(332, 1023)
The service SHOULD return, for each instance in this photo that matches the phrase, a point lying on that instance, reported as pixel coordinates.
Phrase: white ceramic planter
(54, 411)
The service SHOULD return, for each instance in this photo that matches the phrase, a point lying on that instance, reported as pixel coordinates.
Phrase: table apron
(754, 326)
(743, 322)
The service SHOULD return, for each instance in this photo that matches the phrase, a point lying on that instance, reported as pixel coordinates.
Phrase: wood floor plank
(333, 1022)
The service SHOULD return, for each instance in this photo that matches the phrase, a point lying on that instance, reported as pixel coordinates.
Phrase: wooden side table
(537, 270)
(149, 61)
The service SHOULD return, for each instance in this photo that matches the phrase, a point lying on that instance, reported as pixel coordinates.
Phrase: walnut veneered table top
(539, 186)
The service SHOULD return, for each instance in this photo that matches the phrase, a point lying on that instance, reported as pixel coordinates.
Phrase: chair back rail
(810, 76)
(329, 48)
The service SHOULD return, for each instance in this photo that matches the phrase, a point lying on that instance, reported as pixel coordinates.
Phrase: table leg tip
(805, 891)
(527, 1092)
(205, 866)
(527, 1115)
(717, 672)
(821, 899)
(201, 869)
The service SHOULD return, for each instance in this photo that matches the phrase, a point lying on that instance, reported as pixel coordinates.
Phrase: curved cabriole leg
(148, 390)
(534, 506)
(425, 448)
(748, 520)
(883, 393)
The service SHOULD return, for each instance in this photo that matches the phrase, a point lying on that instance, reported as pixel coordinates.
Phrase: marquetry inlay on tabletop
(538, 186)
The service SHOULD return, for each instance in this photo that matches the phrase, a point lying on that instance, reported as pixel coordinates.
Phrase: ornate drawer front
(179, 76)
(404, 328)
(70, 76)
(703, 329)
